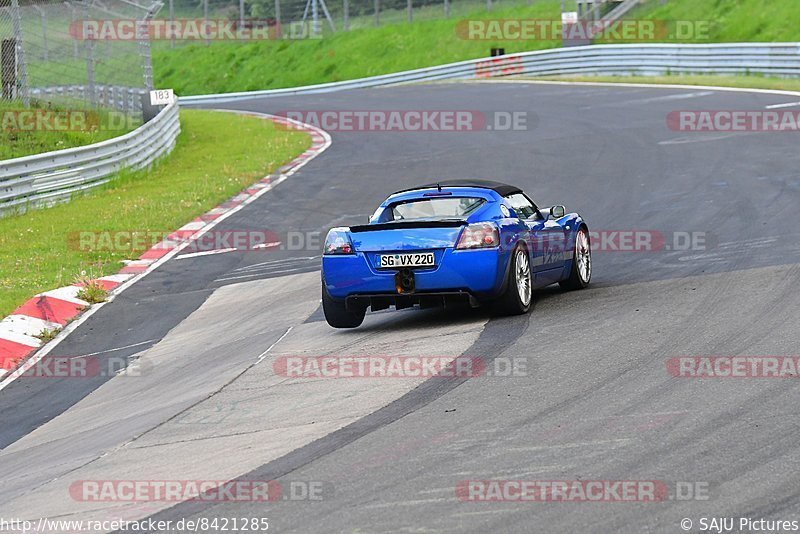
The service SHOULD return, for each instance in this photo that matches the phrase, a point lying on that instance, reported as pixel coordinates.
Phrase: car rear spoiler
(396, 225)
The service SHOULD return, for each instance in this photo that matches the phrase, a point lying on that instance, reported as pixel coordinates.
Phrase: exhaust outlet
(404, 281)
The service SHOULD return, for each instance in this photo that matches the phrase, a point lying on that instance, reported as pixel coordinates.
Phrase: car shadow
(416, 318)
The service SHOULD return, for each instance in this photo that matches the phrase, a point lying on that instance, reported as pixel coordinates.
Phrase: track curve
(596, 403)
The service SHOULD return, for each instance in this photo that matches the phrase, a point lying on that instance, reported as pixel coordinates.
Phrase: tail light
(338, 242)
(480, 235)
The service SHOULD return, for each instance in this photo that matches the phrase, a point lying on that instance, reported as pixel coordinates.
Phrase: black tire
(337, 315)
(512, 301)
(578, 277)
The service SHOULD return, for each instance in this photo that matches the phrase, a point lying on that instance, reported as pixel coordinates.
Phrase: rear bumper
(458, 274)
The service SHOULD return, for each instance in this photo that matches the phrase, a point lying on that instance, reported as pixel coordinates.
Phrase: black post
(149, 111)
(8, 60)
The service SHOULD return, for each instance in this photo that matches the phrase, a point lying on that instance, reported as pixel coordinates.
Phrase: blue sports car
(460, 240)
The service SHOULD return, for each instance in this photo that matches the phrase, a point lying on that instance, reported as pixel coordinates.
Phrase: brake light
(338, 242)
(480, 235)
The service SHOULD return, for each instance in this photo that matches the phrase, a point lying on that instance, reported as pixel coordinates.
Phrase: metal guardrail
(49, 177)
(120, 98)
(46, 178)
(772, 59)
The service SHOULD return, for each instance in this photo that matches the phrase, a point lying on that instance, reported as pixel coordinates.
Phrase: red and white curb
(61, 309)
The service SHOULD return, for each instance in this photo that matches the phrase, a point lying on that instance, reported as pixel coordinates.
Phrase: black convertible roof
(501, 188)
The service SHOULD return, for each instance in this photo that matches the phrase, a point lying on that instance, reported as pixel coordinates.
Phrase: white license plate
(422, 259)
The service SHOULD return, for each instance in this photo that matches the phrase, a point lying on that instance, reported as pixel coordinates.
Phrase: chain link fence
(52, 55)
(95, 54)
(317, 18)
(12, 65)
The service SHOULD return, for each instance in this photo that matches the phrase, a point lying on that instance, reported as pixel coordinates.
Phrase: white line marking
(705, 139)
(206, 253)
(117, 348)
(411, 502)
(682, 96)
(44, 351)
(787, 105)
(264, 354)
(274, 262)
(267, 272)
(650, 85)
(267, 245)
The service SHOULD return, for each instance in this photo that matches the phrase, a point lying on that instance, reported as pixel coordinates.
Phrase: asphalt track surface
(595, 403)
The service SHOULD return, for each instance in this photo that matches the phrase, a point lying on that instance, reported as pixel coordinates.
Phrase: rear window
(435, 208)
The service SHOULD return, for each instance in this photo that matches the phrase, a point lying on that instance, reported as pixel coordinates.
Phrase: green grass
(366, 51)
(15, 143)
(91, 291)
(205, 169)
(732, 20)
(232, 66)
(743, 82)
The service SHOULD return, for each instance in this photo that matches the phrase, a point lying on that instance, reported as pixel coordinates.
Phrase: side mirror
(557, 211)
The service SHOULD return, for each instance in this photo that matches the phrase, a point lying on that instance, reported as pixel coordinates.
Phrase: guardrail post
(377, 12)
(149, 111)
(9, 67)
(279, 30)
(410, 9)
(43, 17)
(89, 47)
(205, 19)
(346, 15)
(314, 18)
(171, 20)
(21, 73)
(75, 53)
(143, 41)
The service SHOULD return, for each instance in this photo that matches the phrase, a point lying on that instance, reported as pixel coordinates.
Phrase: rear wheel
(581, 273)
(337, 315)
(518, 294)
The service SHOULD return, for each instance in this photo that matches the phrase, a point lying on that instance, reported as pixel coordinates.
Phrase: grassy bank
(24, 132)
(368, 51)
(205, 169)
(232, 66)
(731, 20)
